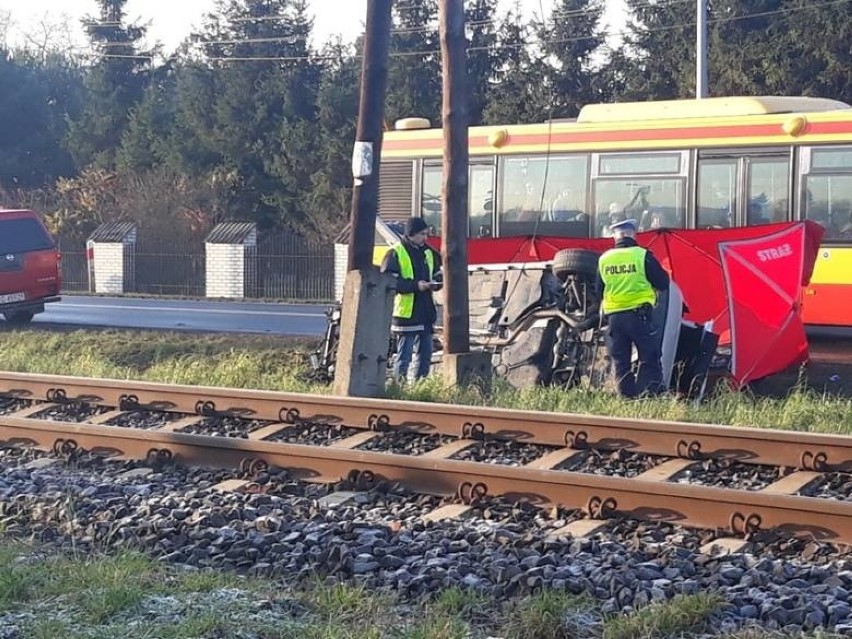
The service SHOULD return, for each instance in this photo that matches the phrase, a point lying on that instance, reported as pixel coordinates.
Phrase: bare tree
(48, 36)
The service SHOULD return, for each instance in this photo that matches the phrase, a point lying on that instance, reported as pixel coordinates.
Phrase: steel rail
(806, 451)
(738, 511)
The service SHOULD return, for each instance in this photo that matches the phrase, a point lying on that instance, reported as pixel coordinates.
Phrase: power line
(602, 34)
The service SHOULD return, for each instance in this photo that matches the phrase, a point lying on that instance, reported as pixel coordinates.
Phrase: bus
(697, 164)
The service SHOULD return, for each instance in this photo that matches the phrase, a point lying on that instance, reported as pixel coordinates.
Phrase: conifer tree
(114, 85)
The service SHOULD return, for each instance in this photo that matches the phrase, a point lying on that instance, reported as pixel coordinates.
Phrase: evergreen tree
(780, 47)
(414, 70)
(113, 86)
(817, 58)
(519, 95)
(330, 195)
(570, 38)
(657, 61)
(36, 97)
(147, 142)
(483, 58)
(255, 104)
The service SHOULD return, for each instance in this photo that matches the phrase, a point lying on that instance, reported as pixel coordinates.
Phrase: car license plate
(12, 297)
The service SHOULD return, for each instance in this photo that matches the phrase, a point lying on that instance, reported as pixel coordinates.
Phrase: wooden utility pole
(455, 118)
(368, 294)
(368, 139)
(460, 365)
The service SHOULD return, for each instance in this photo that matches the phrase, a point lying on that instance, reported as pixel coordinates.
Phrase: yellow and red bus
(710, 163)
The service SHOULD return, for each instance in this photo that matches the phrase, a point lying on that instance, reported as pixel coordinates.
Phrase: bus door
(825, 197)
(481, 176)
(743, 188)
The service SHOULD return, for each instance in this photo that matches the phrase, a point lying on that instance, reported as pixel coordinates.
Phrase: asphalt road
(185, 315)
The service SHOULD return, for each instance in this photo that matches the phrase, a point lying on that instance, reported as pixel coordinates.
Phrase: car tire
(19, 318)
(575, 262)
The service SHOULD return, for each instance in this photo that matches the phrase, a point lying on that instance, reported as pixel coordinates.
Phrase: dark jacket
(424, 314)
(656, 274)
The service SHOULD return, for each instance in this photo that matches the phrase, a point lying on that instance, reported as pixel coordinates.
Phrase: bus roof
(706, 108)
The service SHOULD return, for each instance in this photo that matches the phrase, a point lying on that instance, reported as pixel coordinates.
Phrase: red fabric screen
(769, 333)
(763, 278)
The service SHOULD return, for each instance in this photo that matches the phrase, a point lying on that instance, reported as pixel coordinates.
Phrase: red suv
(30, 272)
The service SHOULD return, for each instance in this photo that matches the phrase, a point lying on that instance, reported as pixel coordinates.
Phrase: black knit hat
(414, 225)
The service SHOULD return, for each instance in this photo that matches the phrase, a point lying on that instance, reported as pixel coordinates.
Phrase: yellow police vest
(625, 285)
(403, 303)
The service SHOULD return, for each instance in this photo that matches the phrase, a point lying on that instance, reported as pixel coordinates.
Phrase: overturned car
(535, 306)
(543, 326)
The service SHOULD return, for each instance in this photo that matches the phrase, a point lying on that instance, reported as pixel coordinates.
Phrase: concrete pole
(362, 353)
(701, 82)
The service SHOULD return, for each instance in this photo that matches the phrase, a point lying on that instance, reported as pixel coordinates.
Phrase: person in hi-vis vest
(417, 268)
(629, 277)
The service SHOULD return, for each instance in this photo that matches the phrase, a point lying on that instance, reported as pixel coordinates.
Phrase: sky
(172, 20)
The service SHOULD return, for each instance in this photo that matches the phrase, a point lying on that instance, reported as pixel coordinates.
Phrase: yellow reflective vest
(625, 284)
(403, 303)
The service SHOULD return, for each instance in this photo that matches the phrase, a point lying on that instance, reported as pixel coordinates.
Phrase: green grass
(547, 615)
(668, 619)
(263, 362)
(241, 361)
(147, 600)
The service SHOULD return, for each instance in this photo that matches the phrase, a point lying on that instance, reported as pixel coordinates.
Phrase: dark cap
(414, 225)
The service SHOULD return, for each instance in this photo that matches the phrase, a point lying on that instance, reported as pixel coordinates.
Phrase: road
(186, 315)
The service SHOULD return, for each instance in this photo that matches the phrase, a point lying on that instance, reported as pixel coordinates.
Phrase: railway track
(796, 484)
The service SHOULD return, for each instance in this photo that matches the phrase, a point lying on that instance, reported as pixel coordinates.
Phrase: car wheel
(575, 262)
(19, 317)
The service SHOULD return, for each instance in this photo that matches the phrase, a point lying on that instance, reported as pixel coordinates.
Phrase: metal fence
(75, 276)
(170, 266)
(290, 267)
(287, 267)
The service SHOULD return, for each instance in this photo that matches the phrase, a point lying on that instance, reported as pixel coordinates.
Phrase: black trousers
(626, 329)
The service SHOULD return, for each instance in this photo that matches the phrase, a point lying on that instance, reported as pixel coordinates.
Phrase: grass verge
(92, 597)
(278, 363)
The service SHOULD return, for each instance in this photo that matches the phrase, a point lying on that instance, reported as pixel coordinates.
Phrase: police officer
(417, 268)
(630, 276)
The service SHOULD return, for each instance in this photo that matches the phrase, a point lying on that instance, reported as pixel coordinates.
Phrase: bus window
(717, 193)
(639, 163)
(829, 203)
(544, 195)
(481, 200)
(653, 202)
(831, 160)
(430, 200)
(768, 200)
